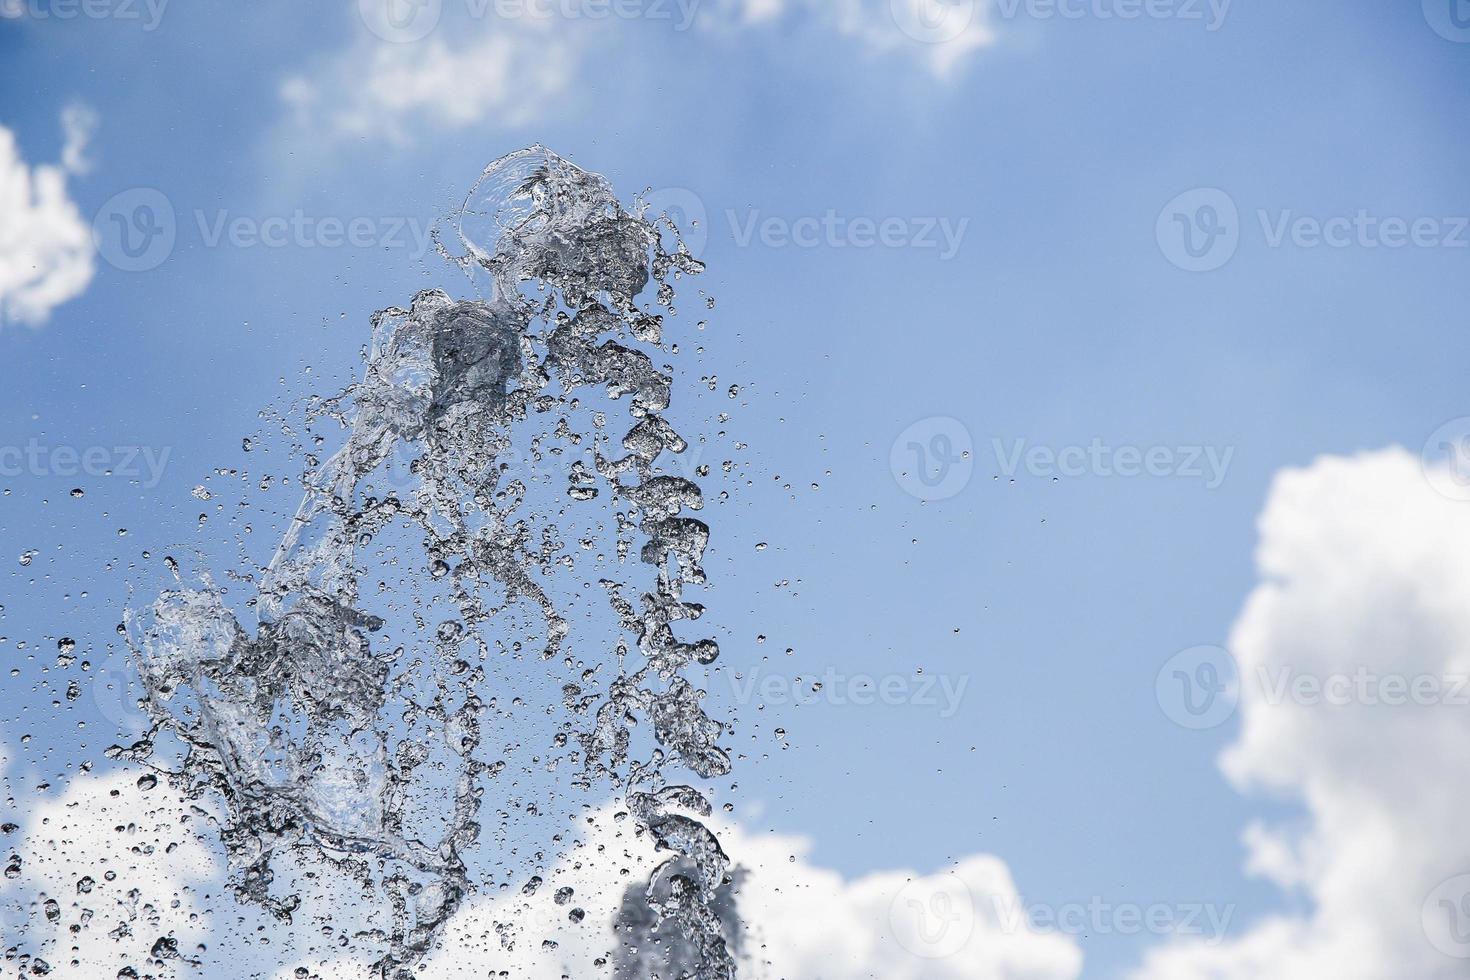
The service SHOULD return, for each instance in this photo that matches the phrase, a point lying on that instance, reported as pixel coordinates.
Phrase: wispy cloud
(938, 35)
(389, 90)
(78, 123)
(448, 64)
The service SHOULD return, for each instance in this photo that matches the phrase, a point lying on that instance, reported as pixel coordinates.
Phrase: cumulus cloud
(1352, 653)
(45, 246)
(1364, 568)
(800, 920)
(110, 875)
(135, 877)
(807, 921)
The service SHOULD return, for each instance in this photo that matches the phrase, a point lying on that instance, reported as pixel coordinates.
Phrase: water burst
(352, 726)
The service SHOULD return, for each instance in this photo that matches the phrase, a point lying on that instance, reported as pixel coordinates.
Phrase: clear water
(488, 559)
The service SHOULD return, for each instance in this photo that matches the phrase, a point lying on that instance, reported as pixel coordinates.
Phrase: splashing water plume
(320, 735)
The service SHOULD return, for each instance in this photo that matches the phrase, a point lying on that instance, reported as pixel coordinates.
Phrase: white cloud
(951, 925)
(507, 61)
(939, 34)
(1365, 574)
(45, 246)
(803, 921)
(113, 861)
(390, 90)
(1364, 570)
(78, 123)
(130, 866)
(148, 874)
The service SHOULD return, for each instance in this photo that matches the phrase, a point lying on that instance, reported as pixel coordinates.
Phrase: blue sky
(1049, 145)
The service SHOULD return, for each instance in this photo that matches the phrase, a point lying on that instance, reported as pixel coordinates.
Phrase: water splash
(320, 734)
